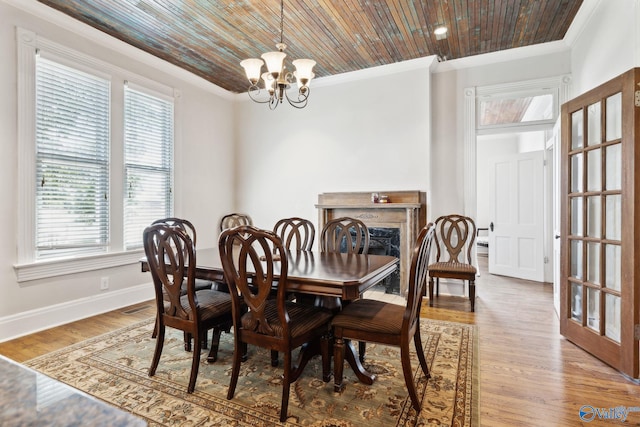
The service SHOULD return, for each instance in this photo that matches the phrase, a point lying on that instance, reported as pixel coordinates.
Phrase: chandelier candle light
(277, 79)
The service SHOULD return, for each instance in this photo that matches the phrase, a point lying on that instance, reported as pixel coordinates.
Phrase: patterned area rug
(114, 367)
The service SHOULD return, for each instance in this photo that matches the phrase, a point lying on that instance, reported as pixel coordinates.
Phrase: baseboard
(28, 322)
(452, 287)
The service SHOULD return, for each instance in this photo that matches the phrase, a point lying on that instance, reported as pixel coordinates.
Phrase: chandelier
(278, 79)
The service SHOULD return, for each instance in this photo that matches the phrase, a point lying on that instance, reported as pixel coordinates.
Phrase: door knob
(491, 226)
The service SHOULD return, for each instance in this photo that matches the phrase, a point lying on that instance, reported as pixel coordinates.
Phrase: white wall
(608, 44)
(367, 135)
(204, 167)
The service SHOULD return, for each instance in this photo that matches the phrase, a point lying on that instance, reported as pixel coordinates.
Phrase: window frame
(27, 267)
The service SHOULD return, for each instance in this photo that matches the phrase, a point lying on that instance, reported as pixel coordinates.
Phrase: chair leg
(205, 339)
(274, 358)
(408, 379)
(195, 364)
(326, 358)
(155, 328)
(362, 349)
(417, 340)
(215, 342)
(235, 369)
(286, 386)
(472, 294)
(187, 341)
(156, 354)
(437, 286)
(430, 291)
(338, 364)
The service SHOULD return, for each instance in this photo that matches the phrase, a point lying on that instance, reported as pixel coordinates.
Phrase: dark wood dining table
(325, 275)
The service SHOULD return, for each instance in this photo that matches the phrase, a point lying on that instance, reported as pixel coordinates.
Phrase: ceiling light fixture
(277, 79)
(441, 33)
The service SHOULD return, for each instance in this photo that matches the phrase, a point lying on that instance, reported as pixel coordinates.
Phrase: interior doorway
(511, 204)
(511, 108)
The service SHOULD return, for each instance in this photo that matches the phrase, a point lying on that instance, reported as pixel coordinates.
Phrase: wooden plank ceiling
(210, 37)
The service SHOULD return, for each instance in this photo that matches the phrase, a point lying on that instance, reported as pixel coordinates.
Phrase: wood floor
(529, 374)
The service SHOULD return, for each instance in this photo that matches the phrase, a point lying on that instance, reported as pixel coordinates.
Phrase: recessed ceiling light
(440, 32)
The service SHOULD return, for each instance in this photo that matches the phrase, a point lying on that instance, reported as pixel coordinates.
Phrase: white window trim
(27, 268)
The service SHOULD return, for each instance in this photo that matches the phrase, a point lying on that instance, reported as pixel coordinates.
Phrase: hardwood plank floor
(529, 374)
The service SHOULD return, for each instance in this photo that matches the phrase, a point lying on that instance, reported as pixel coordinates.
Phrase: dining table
(328, 276)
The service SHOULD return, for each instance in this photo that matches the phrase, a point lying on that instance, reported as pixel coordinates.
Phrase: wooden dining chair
(345, 235)
(187, 227)
(388, 323)
(171, 257)
(253, 260)
(296, 233)
(234, 220)
(454, 238)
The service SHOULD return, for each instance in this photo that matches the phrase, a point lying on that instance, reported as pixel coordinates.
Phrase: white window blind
(72, 161)
(148, 146)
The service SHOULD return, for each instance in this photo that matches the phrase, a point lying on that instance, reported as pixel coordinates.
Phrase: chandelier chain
(281, 21)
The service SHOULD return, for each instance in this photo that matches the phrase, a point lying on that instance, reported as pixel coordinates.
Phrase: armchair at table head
(254, 261)
(347, 235)
(171, 256)
(296, 233)
(369, 320)
(454, 239)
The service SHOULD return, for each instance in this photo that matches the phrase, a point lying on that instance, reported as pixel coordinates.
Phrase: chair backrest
(347, 235)
(418, 274)
(234, 220)
(455, 235)
(171, 256)
(254, 261)
(183, 224)
(296, 233)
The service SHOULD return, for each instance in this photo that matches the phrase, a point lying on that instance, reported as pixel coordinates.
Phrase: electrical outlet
(104, 283)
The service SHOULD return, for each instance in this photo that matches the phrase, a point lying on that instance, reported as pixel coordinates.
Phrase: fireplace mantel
(406, 210)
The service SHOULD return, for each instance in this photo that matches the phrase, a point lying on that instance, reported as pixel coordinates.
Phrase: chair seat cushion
(211, 304)
(372, 316)
(302, 318)
(452, 267)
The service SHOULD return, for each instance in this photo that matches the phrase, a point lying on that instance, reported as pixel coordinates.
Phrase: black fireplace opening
(386, 241)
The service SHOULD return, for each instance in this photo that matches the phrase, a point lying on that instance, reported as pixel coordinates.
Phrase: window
(72, 161)
(95, 160)
(148, 153)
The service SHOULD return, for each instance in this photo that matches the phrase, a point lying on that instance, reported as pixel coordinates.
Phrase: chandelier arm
(303, 98)
(254, 91)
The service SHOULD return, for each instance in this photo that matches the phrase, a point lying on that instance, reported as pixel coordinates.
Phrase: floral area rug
(113, 368)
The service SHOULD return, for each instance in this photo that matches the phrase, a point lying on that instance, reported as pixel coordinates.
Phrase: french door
(600, 225)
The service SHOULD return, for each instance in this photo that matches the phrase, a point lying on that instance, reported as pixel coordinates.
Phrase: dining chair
(387, 323)
(454, 238)
(296, 233)
(171, 257)
(346, 235)
(187, 227)
(253, 260)
(234, 220)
